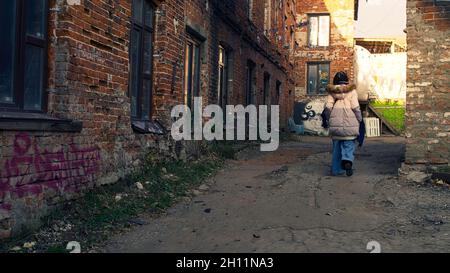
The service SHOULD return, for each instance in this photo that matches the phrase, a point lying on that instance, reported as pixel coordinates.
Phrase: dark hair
(340, 78)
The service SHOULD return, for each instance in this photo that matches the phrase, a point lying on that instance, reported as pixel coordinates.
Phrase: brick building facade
(428, 83)
(87, 86)
(324, 44)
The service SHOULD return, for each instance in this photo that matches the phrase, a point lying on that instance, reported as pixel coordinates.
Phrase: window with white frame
(319, 30)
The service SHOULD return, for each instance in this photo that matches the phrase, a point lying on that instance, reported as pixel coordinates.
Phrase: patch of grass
(392, 112)
(395, 116)
(387, 103)
(442, 169)
(224, 149)
(106, 210)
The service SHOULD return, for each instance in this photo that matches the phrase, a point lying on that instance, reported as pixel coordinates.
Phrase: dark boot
(348, 167)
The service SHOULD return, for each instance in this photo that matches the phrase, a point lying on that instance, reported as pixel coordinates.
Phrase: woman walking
(343, 113)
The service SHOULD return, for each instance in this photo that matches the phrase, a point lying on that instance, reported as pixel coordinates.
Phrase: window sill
(148, 127)
(12, 121)
(319, 48)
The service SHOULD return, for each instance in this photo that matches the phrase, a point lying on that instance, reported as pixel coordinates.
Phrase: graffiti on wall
(308, 112)
(313, 121)
(33, 169)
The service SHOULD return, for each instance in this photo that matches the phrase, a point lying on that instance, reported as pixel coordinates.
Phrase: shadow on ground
(286, 201)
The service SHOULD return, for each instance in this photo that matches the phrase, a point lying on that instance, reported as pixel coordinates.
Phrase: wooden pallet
(372, 127)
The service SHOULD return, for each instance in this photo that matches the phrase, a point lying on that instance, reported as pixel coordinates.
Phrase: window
(267, 17)
(318, 78)
(222, 88)
(250, 82)
(277, 14)
(191, 72)
(292, 40)
(319, 30)
(141, 59)
(23, 55)
(249, 9)
(278, 93)
(266, 98)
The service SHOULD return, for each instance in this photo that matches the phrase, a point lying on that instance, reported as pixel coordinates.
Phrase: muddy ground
(286, 201)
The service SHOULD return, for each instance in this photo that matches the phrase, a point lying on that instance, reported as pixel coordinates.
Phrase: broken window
(191, 72)
(319, 30)
(318, 78)
(141, 59)
(23, 56)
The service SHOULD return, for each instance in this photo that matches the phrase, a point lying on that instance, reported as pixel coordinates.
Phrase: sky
(381, 18)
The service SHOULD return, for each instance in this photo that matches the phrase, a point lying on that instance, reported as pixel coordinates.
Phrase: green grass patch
(106, 210)
(223, 149)
(387, 103)
(392, 112)
(442, 169)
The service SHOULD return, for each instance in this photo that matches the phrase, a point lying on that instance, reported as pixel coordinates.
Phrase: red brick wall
(88, 70)
(87, 82)
(339, 53)
(428, 83)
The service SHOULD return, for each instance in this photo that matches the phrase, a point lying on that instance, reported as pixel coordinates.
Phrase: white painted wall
(382, 75)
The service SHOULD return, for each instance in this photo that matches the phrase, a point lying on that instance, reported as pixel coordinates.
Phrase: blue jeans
(342, 150)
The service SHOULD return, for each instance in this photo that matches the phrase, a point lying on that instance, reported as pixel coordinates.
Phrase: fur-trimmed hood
(340, 91)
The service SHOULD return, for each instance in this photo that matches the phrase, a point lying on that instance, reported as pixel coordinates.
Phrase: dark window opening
(23, 56)
(191, 72)
(141, 59)
(268, 17)
(223, 74)
(278, 92)
(318, 78)
(266, 90)
(250, 82)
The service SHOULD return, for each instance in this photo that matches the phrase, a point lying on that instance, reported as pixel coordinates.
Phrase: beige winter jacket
(345, 112)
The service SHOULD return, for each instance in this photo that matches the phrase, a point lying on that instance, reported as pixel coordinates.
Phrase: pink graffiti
(32, 169)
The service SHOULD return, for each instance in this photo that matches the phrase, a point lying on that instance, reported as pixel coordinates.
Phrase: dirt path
(286, 202)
